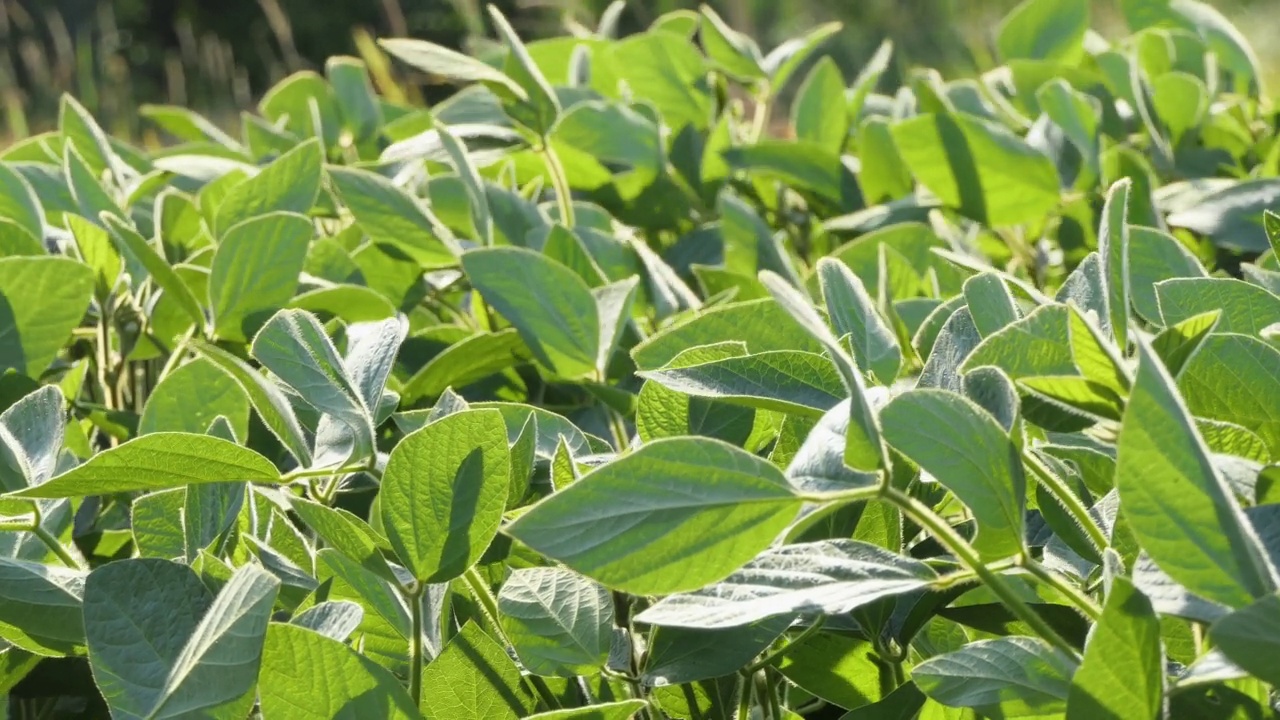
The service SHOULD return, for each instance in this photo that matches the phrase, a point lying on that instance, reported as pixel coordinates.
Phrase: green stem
(760, 114)
(1079, 598)
(769, 659)
(765, 696)
(744, 698)
(52, 542)
(416, 659)
(324, 472)
(560, 181)
(1069, 501)
(924, 516)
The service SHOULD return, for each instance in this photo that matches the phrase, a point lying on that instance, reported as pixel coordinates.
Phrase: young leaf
(674, 515)
(443, 493)
(1122, 674)
(191, 397)
(452, 65)
(853, 313)
(540, 112)
(553, 310)
(31, 432)
(1051, 30)
(560, 622)
(388, 214)
(309, 676)
(1250, 637)
(732, 51)
(974, 458)
(819, 113)
(1175, 501)
(40, 607)
(989, 302)
(613, 307)
(157, 462)
(255, 272)
(268, 400)
(20, 204)
(832, 577)
(132, 244)
(42, 299)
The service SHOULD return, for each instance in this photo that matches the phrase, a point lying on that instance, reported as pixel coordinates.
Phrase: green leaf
(161, 647)
(90, 197)
(388, 214)
(440, 61)
(788, 381)
(674, 515)
(819, 113)
(559, 622)
(613, 308)
(473, 679)
(42, 299)
(976, 460)
(1122, 674)
(1250, 638)
(40, 607)
(1044, 30)
(762, 324)
(295, 347)
(443, 493)
(1231, 214)
(1156, 256)
(831, 577)
(31, 437)
(472, 185)
(268, 400)
(983, 170)
(356, 100)
(464, 362)
(156, 462)
(729, 49)
(1038, 344)
(990, 303)
(551, 307)
(802, 165)
(541, 110)
(853, 313)
(308, 676)
(1113, 251)
(20, 204)
(749, 243)
(1176, 503)
(1245, 308)
(290, 184)
(1234, 378)
(97, 252)
(1008, 677)
(621, 710)
(87, 137)
(784, 61)
(255, 272)
(842, 670)
(667, 71)
(1077, 113)
(1271, 223)
(345, 533)
(882, 176)
(132, 244)
(680, 655)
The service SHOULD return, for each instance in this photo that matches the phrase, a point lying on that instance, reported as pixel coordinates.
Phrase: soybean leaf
(42, 299)
(541, 110)
(161, 647)
(1122, 673)
(1011, 676)
(156, 462)
(559, 622)
(31, 437)
(549, 305)
(982, 169)
(1245, 308)
(443, 493)
(473, 679)
(762, 324)
(268, 400)
(831, 577)
(1233, 378)
(450, 64)
(732, 51)
(40, 607)
(387, 213)
(20, 204)
(976, 460)
(1176, 503)
(674, 515)
(681, 655)
(307, 675)
(1156, 256)
(290, 184)
(819, 113)
(853, 313)
(1044, 30)
(255, 272)
(788, 381)
(132, 244)
(1250, 636)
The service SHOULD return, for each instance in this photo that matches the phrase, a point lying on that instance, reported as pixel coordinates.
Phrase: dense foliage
(587, 394)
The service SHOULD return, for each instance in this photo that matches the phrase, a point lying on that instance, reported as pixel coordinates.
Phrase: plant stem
(765, 696)
(760, 115)
(744, 698)
(415, 642)
(1069, 501)
(104, 358)
(1079, 598)
(782, 651)
(926, 518)
(52, 542)
(560, 181)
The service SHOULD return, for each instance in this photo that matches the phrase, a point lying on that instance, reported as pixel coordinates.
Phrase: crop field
(657, 376)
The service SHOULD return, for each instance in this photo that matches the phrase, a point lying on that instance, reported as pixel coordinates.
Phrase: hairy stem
(1078, 597)
(781, 652)
(416, 659)
(926, 518)
(1069, 501)
(560, 181)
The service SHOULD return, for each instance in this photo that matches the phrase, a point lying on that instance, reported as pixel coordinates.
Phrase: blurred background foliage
(218, 56)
